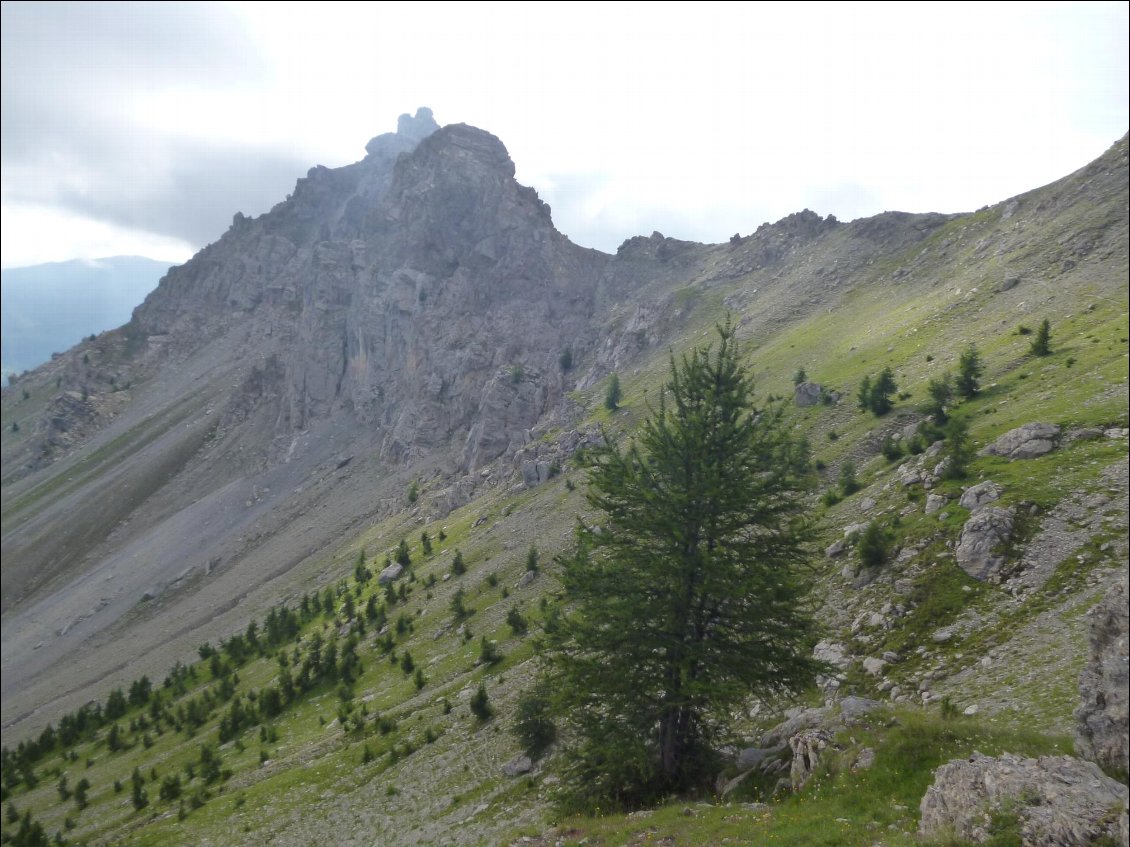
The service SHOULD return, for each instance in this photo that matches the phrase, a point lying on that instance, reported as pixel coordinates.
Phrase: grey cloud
(571, 193)
(62, 62)
(203, 186)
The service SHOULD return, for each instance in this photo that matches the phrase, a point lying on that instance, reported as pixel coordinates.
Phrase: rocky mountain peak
(410, 131)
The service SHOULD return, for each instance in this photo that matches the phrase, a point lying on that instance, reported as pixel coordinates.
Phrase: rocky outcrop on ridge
(1025, 442)
(978, 551)
(1102, 730)
(1058, 800)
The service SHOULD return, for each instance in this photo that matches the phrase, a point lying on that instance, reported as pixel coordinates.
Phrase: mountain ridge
(399, 325)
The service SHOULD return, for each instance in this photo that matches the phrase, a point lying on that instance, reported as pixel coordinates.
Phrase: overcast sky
(142, 128)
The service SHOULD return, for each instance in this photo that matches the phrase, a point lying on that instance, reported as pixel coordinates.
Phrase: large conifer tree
(686, 598)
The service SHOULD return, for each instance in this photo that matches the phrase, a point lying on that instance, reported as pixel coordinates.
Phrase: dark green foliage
(532, 558)
(1042, 343)
(419, 679)
(949, 709)
(533, 723)
(361, 574)
(81, 789)
(480, 704)
(969, 370)
(891, 449)
(873, 545)
(864, 396)
(425, 543)
(114, 741)
(941, 392)
(517, 622)
(848, 483)
(689, 600)
(458, 609)
(959, 451)
(210, 763)
(413, 491)
(458, 568)
(138, 796)
(170, 788)
(882, 390)
(115, 705)
(402, 555)
(489, 654)
(30, 834)
(800, 376)
(612, 397)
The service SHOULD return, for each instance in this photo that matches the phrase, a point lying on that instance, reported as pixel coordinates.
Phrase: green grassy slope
(394, 758)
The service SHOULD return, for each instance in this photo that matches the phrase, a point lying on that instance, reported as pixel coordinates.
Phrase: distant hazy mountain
(49, 308)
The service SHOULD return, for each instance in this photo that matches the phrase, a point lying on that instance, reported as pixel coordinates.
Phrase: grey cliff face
(1102, 731)
(421, 290)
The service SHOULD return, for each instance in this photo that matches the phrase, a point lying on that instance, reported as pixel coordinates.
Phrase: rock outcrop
(808, 394)
(1102, 724)
(808, 748)
(1058, 800)
(979, 495)
(978, 549)
(1025, 442)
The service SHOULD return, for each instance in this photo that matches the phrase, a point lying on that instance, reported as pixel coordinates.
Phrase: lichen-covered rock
(986, 531)
(1102, 724)
(807, 394)
(1059, 800)
(979, 495)
(874, 666)
(390, 574)
(807, 747)
(854, 708)
(1025, 442)
(518, 766)
(804, 719)
(755, 757)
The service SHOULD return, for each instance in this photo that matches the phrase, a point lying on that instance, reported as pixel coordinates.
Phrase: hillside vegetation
(322, 703)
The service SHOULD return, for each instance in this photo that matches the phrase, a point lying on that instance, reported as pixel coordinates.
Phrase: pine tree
(959, 452)
(612, 396)
(864, 396)
(1042, 343)
(480, 703)
(969, 372)
(402, 555)
(687, 600)
(941, 392)
(881, 392)
(872, 545)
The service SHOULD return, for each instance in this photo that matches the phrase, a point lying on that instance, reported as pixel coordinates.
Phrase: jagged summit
(410, 131)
